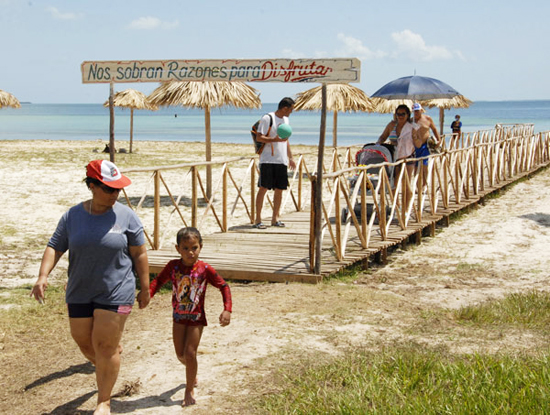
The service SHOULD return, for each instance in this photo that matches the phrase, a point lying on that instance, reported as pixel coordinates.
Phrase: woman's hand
(39, 289)
(143, 298)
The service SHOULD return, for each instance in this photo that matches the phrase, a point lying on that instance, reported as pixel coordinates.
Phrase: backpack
(259, 147)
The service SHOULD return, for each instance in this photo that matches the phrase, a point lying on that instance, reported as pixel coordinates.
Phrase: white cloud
(354, 47)
(292, 54)
(149, 22)
(411, 45)
(56, 14)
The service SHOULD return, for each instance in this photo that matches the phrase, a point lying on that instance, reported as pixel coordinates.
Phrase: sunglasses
(107, 189)
(401, 114)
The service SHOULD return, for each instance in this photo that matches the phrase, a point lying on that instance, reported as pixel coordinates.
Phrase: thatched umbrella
(130, 98)
(206, 95)
(8, 100)
(459, 101)
(340, 97)
(389, 105)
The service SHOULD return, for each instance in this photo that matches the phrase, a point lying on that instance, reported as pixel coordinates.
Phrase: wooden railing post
(312, 222)
(253, 192)
(194, 197)
(224, 199)
(156, 226)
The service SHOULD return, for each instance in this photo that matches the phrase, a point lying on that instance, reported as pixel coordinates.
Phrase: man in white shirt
(275, 158)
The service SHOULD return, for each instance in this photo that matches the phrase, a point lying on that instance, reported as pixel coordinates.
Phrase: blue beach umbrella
(416, 88)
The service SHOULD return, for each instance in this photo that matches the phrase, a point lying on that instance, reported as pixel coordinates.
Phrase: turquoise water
(230, 125)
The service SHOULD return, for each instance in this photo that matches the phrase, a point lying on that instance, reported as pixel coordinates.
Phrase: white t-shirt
(273, 153)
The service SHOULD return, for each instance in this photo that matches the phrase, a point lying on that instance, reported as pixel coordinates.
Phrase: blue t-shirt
(100, 265)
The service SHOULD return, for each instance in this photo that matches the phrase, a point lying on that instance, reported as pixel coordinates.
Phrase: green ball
(284, 131)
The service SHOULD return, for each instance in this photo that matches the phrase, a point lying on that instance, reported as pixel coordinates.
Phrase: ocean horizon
(80, 122)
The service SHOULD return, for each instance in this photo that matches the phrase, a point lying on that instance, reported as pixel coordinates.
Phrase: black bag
(259, 147)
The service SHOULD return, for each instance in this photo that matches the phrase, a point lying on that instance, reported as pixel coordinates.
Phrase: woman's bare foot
(103, 408)
(189, 399)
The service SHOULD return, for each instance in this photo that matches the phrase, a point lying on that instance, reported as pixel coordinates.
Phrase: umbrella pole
(441, 120)
(334, 128)
(131, 128)
(111, 123)
(319, 182)
(208, 152)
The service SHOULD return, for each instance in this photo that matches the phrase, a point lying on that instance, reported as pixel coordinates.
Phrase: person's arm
(434, 130)
(141, 265)
(217, 281)
(49, 261)
(385, 134)
(291, 162)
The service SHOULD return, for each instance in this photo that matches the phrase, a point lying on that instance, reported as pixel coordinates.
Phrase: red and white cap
(107, 173)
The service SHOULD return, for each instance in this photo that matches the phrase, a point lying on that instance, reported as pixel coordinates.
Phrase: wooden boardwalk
(282, 254)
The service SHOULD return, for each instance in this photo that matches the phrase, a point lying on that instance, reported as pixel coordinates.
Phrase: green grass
(419, 379)
(413, 379)
(529, 310)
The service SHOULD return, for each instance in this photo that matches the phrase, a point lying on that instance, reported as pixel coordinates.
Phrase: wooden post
(208, 152)
(156, 226)
(334, 129)
(253, 192)
(312, 222)
(194, 204)
(300, 184)
(224, 199)
(131, 128)
(319, 182)
(111, 123)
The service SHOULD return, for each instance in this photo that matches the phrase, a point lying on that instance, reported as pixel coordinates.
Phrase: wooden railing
(467, 165)
(462, 171)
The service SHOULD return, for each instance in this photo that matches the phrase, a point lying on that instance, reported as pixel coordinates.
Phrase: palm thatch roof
(207, 94)
(458, 101)
(130, 98)
(8, 100)
(135, 100)
(340, 98)
(389, 105)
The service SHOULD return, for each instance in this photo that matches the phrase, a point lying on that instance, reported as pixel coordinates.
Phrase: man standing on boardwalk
(422, 125)
(275, 158)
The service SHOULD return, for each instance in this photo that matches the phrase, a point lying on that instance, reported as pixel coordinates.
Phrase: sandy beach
(493, 251)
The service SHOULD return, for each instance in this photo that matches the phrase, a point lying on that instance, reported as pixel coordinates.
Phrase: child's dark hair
(187, 233)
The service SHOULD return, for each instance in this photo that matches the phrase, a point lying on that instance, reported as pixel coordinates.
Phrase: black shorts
(273, 176)
(87, 310)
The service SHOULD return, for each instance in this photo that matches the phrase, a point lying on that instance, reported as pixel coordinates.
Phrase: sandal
(278, 224)
(259, 225)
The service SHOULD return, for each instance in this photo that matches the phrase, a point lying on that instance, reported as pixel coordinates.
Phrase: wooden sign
(245, 70)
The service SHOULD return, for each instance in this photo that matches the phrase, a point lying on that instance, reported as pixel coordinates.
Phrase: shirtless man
(421, 133)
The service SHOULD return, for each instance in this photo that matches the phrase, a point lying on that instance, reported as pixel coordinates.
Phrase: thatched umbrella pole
(131, 128)
(208, 151)
(441, 120)
(334, 128)
(111, 123)
(319, 181)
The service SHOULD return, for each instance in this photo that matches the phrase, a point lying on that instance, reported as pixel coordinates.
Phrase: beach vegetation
(410, 379)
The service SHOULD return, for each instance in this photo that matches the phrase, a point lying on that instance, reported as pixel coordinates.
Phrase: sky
(487, 50)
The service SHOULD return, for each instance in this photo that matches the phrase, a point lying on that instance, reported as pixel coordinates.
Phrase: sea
(230, 125)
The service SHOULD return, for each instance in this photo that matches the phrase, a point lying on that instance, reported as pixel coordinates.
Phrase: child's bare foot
(189, 399)
(103, 408)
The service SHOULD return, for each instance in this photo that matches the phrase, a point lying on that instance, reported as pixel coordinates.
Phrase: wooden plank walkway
(281, 254)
